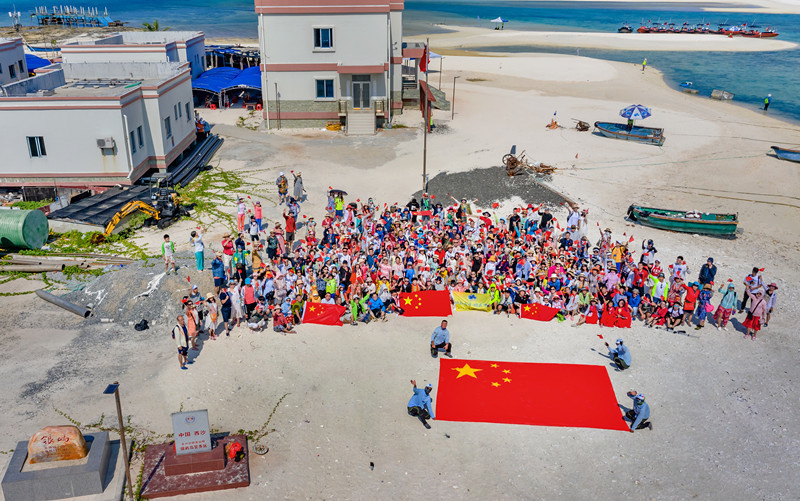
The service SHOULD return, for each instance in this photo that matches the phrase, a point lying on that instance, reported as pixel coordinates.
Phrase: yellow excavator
(166, 207)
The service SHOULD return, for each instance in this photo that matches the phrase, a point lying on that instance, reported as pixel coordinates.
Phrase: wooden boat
(705, 223)
(639, 134)
(787, 154)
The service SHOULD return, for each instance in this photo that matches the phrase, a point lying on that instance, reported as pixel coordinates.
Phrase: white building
(84, 124)
(330, 59)
(12, 61)
(141, 46)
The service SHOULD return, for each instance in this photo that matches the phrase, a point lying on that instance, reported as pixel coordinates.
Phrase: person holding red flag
(620, 355)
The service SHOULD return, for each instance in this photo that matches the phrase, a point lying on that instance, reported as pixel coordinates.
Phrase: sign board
(192, 433)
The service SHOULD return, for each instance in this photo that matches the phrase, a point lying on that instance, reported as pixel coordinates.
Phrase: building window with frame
(325, 88)
(12, 71)
(133, 143)
(141, 136)
(188, 118)
(180, 110)
(36, 146)
(21, 68)
(175, 111)
(168, 127)
(323, 38)
(1, 69)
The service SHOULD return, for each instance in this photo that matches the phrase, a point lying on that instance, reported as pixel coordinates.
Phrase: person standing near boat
(767, 101)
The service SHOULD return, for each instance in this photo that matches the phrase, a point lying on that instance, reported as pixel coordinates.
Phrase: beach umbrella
(635, 112)
(499, 20)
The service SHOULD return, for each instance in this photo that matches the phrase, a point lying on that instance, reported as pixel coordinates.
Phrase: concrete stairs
(360, 123)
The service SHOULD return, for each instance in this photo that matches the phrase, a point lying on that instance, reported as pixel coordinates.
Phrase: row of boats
(743, 30)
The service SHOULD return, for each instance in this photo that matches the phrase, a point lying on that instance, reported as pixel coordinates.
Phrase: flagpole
(426, 114)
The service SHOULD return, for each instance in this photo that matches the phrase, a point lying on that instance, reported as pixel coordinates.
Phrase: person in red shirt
(689, 302)
(280, 323)
(623, 315)
(640, 277)
(227, 254)
(290, 228)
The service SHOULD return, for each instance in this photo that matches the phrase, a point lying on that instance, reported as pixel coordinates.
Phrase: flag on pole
(538, 312)
(323, 314)
(426, 304)
(423, 62)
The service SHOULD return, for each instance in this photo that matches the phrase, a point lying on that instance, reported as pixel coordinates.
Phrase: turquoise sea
(750, 76)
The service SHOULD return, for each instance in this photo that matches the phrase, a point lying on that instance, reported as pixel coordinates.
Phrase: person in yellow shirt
(618, 254)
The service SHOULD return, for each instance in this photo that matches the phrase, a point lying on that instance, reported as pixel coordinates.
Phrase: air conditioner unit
(104, 143)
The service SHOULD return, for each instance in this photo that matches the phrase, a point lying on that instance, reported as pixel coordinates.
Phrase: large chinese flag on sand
(426, 304)
(521, 393)
(538, 312)
(324, 314)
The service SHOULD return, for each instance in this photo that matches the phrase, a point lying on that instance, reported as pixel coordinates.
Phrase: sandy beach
(465, 37)
(724, 408)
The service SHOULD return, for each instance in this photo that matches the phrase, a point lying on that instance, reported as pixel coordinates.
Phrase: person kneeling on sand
(620, 355)
(420, 403)
(441, 339)
(640, 412)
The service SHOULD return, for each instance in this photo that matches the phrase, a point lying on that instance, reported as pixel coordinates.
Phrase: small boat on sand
(625, 28)
(706, 223)
(647, 135)
(787, 154)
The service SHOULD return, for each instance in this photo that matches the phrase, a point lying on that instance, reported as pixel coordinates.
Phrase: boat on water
(706, 223)
(625, 28)
(638, 134)
(743, 30)
(787, 154)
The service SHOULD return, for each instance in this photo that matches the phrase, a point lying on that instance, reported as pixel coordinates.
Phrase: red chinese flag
(423, 62)
(422, 213)
(538, 312)
(323, 314)
(526, 393)
(426, 304)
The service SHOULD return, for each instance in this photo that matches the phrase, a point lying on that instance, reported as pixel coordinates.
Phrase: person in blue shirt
(640, 413)
(420, 403)
(708, 272)
(441, 339)
(377, 307)
(620, 355)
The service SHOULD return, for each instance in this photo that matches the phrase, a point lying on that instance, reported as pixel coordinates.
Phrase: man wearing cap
(707, 272)
(420, 403)
(544, 223)
(640, 412)
(441, 339)
(218, 271)
(227, 253)
(620, 355)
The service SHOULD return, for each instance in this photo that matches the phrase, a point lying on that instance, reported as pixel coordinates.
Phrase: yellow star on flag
(505, 379)
(312, 308)
(494, 366)
(506, 371)
(495, 384)
(466, 371)
(407, 300)
(527, 308)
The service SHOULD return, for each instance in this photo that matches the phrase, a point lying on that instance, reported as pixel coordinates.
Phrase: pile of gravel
(142, 291)
(490, 185)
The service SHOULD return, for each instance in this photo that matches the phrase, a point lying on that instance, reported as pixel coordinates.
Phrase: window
(325, 89)
(141, 137)
(133, 143)
(323, 38)
(1, 69)
(175, 111)
(12, 72)
(180, 110)
(21, 68)
(187, 112)
(36, 146)
(168, 127)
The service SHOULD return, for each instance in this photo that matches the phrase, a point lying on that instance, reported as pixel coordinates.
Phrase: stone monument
(57, 443)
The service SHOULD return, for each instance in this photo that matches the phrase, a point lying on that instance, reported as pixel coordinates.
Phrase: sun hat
(773, 284)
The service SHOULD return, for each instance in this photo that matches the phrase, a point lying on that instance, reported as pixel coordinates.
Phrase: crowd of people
(365, 254)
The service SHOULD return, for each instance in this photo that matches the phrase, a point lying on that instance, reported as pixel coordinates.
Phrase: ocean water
(750, 76)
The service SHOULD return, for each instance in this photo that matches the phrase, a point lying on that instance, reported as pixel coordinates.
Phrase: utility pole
(278, 105)
(426, 114)
(453, 100)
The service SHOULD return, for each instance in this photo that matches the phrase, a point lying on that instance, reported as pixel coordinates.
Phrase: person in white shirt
(196, 240)
(328, 299)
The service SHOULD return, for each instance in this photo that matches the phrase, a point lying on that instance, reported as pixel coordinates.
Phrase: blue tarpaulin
(34, 62)
(249, 78)
(216, 79)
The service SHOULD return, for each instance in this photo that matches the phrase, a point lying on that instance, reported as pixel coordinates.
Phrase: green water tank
(23, 229)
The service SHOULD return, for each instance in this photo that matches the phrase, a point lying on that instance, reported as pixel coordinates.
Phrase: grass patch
(31, 205)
